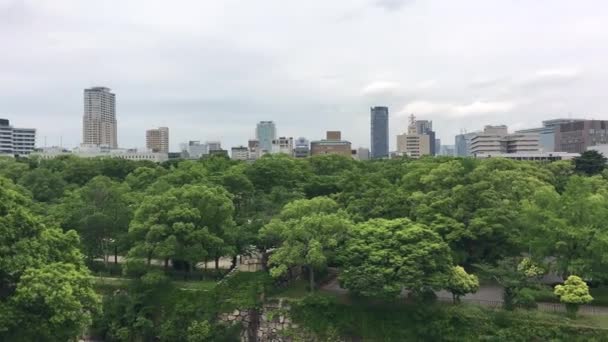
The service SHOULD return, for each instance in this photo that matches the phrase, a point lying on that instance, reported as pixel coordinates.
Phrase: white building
(283, 145)
(531, 156)
(239, 153)
(99, 119)
(157, 139)
(16, 141)
(92, 151)
(497, 140)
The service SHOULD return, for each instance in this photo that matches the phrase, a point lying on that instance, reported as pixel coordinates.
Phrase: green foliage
(384, 256)
(590, 163)
(573, 293)
(460, 282)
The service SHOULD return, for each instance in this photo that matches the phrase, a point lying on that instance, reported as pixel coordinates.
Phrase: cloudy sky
(210, 70)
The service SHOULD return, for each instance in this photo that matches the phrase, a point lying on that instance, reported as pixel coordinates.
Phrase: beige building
(99, 119)
(419, 139)
(497, 140)
(157, 139)
(333, 144)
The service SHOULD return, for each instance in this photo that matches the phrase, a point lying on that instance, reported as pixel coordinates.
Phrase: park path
(487, 295)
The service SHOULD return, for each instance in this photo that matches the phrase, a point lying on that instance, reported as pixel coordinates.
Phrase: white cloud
(391, 5)
(427, 84)
(381, 88)
(457, 110)
(555, 76)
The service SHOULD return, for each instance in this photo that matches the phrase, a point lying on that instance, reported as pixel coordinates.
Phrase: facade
(102, 152)
(99, 120)
(447, 150)
(194, 149)
(157, 140)
(362, 153)
(577, 137)
(213, 146)
(462, 144)
(16, 141)
(283, 145)
(331, 146)
(301, 148)
(419, 139)
(497, 140)
(546, 133)
(239, 153)
(265, 133)
(379, 132)
(533, 156)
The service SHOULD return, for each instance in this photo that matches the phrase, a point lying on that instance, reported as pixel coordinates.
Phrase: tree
(45, 290)
(382, 257)
(100, 211)
(590, 163)
(191, 223)
(460, 283)
(307, 233)
(44, 184)
(573, 293)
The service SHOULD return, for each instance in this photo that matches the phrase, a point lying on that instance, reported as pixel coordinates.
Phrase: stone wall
(271, 323)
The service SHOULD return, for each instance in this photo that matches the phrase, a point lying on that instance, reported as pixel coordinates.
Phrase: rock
(236, 313)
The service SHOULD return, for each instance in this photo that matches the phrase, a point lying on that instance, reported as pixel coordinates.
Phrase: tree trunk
(217, 264)
(311, 276)
(166, 264)
(233, 263)
(115, 255)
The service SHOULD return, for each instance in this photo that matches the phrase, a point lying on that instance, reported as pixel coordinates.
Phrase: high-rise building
(379, 132)
(301, 148)
(331, 146)
(16, 141)
(265, 133)
(157, 139)
(194, 149)
(419, 139)
(213, 146)
(99, 120)
(577, 137)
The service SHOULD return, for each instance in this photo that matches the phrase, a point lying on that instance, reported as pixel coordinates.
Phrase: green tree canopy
(590, 163)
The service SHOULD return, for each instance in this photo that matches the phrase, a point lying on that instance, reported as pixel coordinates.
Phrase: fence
(547, 307)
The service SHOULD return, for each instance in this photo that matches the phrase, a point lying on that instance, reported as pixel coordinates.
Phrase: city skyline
(212, 71)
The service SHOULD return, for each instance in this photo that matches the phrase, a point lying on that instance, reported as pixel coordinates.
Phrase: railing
(547, 307)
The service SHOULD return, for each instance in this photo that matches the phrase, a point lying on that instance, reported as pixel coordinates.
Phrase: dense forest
(386, 225)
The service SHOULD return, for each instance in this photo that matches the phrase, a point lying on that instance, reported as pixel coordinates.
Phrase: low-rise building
(16, 141)
(301, 148)
(532, 156)
(239, 153)
(331, 146)
(88, 151)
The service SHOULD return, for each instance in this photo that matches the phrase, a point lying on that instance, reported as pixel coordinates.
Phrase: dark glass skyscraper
(379, 132)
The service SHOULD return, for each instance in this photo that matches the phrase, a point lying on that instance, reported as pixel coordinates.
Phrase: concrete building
(497, 140)
(301, 148)
(157, 140)
(331, 146)
(99, 120)
(419, 139)
(362, 153)
(265, 133)
(462, 144)
(16, 141)
(213, 146)
(532, 156)
(194, 149)
(546, 133)
(577, 137)
(379, 132)
(239, 153)
(102, 152)
(447, 150)
(283, 145)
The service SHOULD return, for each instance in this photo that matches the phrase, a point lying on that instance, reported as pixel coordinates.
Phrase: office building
(90, 151)
(447, 150)
(419, 139)
(532, 156)
(437, 146)
(99, 120)
(239, 153)
(379, 132)
(331, 146)
(265, 133)
(194, 149)
(157, 140)
(546, 133)
(301, 148)
(362, 153)
(16, 141)
(213, 146)
(497, 140)
(577, 137)
(462, 144)
(283, 145)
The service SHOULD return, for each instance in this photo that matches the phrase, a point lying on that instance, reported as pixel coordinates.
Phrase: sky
(210, 70)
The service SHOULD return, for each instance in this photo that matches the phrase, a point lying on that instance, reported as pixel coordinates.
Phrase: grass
(108, 285)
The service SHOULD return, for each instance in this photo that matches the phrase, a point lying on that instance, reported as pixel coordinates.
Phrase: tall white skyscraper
(99, 120)
(265, 133)
(157, 139)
